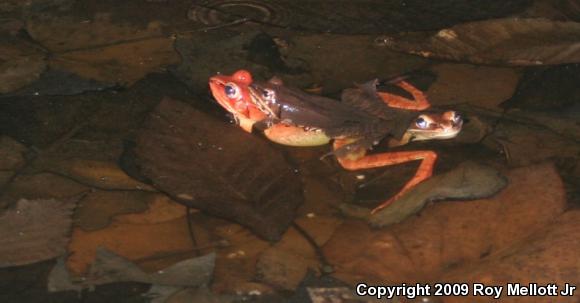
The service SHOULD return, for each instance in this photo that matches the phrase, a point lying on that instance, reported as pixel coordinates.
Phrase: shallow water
(120, 60)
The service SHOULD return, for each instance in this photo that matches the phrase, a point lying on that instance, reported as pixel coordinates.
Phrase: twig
(327, 268)
(190, 230)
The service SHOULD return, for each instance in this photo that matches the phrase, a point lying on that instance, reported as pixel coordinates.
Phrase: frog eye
(268, 94)
(421, 123)
(231, 91)
(457, 117)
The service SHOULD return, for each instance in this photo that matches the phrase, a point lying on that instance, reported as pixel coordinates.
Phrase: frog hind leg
(359, 160)
(419, 103)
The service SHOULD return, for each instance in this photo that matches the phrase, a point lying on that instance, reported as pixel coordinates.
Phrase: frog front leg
(419, 103)
(360, 160)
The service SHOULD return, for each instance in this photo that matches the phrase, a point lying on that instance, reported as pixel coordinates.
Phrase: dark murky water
(80, 80)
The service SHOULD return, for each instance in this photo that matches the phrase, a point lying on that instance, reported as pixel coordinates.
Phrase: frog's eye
(421, 123)
(457, 117)
(268, 94)
(231, 91)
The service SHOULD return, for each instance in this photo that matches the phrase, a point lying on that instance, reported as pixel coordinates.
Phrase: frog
(352, 126)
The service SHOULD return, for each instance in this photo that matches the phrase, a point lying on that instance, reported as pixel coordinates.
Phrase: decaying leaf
(526, 143)
(35, 230)
(110, 268)
(478, 85)
(101, 174)
(65, 33)
(546, 89)
(509, 41)
(468, 181)
(237, 263)
(282, 269)
(20, 64)
(218, 168)
(103, 49)
(99, 207)
(58, 83)
(550, 255)
(134, 241)
(351, 17)
(11, 153)
(454, 235)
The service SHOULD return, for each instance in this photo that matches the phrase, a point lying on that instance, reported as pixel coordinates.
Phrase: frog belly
(296, 136)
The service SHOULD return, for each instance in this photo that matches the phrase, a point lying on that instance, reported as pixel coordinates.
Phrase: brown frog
(293, 117)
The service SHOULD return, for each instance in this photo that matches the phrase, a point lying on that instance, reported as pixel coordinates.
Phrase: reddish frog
(365, 116)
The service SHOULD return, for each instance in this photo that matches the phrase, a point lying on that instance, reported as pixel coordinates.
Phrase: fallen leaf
(545, 89)
(525, 143)
(132, 241)
(111, 268)
(101, 174)
(547, 256)
(449, 235)
(509, 41)
(281, 269)
(20, 64)
(215, 167)
(161, 209)
(35, 230)
(11, 153)
(123, 64)
(468, 181)
(60, 83)
(70, 32)
(44, 185)
(103, 49)
(477, 85)
(98, 207)
(236, 264)
(349, 18)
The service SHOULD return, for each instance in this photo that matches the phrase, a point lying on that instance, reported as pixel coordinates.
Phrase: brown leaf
(468, 181)
(124, 63)
(218, 168)
(282, 269)
(549, 255)
(110, 268)
(19, 64)
(35, 230)
(478, 85)
(101, 174)
(236, 264)
(97, 208)
(101, 48)
(11, 153)
(509, 41)
(450, 234)
(131, 241)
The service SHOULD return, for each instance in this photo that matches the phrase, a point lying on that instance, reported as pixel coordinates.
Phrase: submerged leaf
(548, 256)
(468, 181)
(210, 165)
(509, 41)
(20, 64)
(35, 230)
(110, 268)
(455, 236)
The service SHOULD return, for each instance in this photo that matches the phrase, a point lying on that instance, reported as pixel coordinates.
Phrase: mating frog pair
(360, 120)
